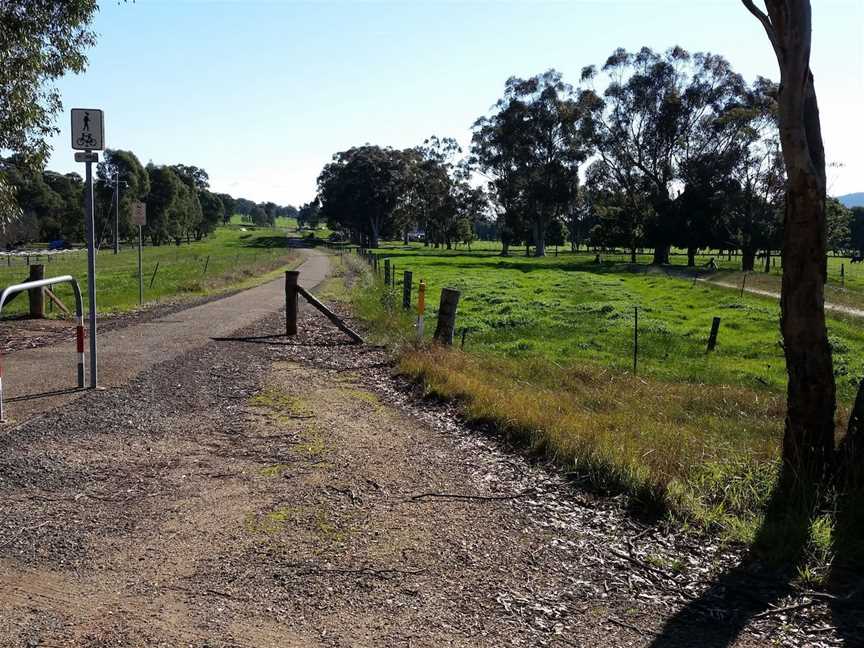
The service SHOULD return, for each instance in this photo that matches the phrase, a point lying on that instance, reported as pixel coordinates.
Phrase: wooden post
(37, 297)
(291, 277)
(393, 275)
(447, 316)
(635, 337)
(712, 338)
(406, 289)
(842, 275)
(387, 272)
(421, 309)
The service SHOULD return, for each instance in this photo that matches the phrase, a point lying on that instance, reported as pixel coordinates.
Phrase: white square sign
(139, 213)
(88, 130)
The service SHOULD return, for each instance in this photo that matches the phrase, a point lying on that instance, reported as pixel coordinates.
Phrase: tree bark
(691, 257)
(661, 255)
(808, 441)
(767, 261)
(748, 259)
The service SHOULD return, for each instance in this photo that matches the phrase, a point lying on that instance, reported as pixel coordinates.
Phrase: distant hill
(853, 199)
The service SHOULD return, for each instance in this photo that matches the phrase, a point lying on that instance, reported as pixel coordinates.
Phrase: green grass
(567, 309)
(236, 259)
(548, 360)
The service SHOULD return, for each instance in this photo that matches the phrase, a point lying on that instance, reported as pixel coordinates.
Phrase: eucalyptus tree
(134, 184)
(361, 189)
(808, 442)
(40, 41)
(164, 189)
(530, 148)
(657, 112)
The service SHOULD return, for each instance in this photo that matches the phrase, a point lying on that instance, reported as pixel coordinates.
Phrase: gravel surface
(274, 492)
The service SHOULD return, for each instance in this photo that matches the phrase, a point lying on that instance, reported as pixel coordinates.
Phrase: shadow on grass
(752, 588)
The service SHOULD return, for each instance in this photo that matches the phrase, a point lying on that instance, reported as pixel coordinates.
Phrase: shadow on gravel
(47, 394)
(272, 340)
(752, 589)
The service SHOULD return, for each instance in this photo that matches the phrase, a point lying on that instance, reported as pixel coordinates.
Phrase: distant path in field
(837, 308)
(36, 375)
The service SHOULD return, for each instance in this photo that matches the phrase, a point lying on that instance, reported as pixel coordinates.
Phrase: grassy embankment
(236, 259)
(549, 359)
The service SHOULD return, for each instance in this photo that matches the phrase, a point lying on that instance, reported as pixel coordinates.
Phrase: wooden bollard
(447, 316)
(712, 337)
(387, 272)
(406, 289)
(36, 296)
(291, 277)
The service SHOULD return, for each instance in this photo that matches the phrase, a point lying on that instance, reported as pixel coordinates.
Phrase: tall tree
(40, 41)
(808, 441)
(657, 111)
(164, 190)
(360, 191)
(534, 135)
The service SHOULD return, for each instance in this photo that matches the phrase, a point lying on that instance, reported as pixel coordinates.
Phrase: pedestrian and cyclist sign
(88, 132)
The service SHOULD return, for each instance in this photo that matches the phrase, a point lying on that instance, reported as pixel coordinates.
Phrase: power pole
(116, 212)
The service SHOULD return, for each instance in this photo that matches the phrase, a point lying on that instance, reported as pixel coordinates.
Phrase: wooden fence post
(37, 297)
(712, 338)
(447, 316)
(387, 272)
(291, 277)
(406, 289)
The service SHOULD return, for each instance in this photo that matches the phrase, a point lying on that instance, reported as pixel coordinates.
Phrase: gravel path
(271, 492)
(125, 351)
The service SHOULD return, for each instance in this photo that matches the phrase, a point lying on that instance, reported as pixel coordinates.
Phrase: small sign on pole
(139, 213)
(88, 129)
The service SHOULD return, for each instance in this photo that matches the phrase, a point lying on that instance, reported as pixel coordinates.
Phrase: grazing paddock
(229, 258)
(548, 358)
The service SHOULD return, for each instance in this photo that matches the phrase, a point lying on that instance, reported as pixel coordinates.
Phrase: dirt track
(265, 492)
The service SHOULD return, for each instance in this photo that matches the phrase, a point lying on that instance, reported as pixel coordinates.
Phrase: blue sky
(262, 93)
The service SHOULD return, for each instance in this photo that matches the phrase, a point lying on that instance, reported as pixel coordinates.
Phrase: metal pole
(116, 213)
(140, 271)
(91, 267)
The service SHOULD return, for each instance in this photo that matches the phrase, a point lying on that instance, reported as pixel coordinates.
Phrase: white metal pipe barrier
(79, 320)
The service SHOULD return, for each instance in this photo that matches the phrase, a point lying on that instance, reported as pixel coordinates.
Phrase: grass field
(232, 258)
(549, 359)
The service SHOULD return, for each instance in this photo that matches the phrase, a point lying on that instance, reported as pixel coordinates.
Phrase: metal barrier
(79, 318)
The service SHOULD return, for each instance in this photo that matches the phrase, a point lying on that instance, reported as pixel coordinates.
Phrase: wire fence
(665, 332)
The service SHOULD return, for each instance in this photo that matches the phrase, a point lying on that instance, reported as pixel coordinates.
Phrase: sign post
(139, 218)
(88, 135)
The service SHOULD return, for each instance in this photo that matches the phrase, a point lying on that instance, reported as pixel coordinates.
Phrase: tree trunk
(632, 255)
(505, 249)
(691, 257)
(748, 259)
(808, 441)
(539, 239)
(661, 255)
(767, 261)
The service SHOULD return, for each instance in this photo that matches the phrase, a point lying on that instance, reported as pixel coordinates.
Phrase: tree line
(651, 150)
(180, 205)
